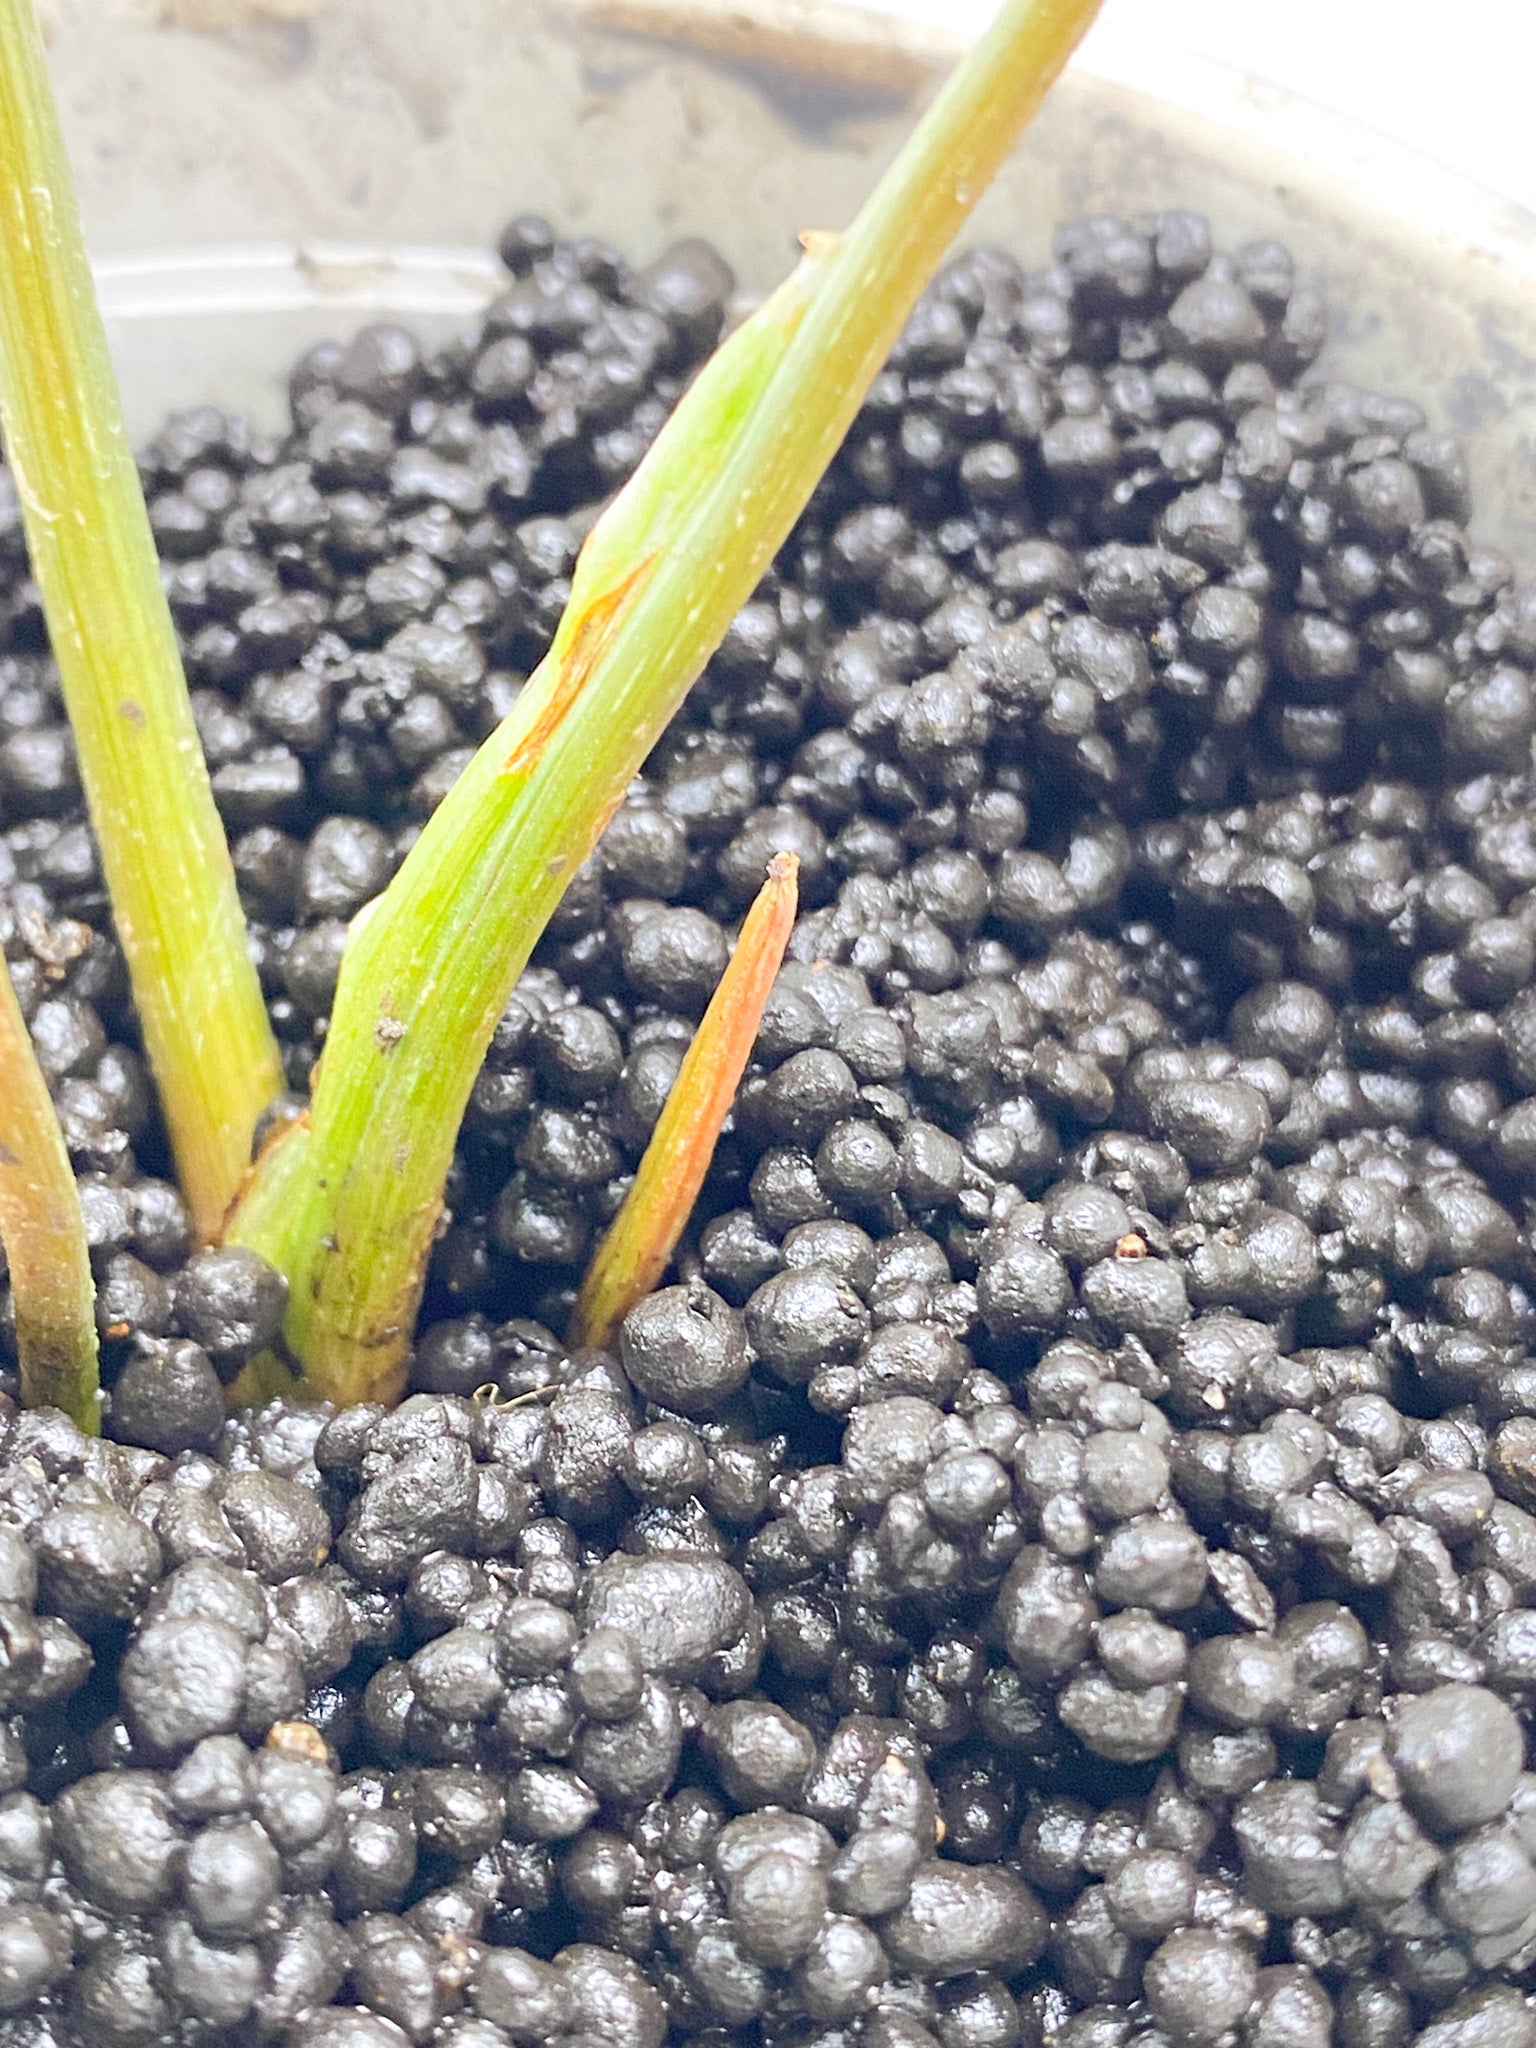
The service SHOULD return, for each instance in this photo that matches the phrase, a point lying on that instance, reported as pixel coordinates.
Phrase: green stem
(661, 577)
(44, 1234)
(162, 846)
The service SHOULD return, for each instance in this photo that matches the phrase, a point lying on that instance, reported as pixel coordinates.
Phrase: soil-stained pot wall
(258, 172)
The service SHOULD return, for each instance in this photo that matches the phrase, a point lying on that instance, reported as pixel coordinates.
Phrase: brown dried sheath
(634, 1254)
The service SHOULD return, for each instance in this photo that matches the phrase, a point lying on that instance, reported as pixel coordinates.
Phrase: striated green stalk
(162, 845)
(44, 1234)
(661, 577)
(633, 1255)
(429, 968)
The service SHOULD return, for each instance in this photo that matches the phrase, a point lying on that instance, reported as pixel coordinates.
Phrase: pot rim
(858, 48)
(846, 40)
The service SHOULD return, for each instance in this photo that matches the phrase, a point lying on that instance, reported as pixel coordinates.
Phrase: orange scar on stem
(588, 643)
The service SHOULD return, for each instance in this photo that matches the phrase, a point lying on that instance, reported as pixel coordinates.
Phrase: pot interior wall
(296, 167)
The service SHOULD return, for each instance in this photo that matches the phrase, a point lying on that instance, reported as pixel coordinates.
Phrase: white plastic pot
(258, 173)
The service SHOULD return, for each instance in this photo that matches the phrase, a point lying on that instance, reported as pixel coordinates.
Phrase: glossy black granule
(1055, 1566)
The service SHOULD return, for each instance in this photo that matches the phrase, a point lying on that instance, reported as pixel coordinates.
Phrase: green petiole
(661, 577)
(44, 1234)
(162, 845)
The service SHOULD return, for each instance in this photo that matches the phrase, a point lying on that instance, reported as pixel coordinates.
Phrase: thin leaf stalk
(661, 576)
(348, 1204)
(642, 1237)
(44, 1234)
(162, 844)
